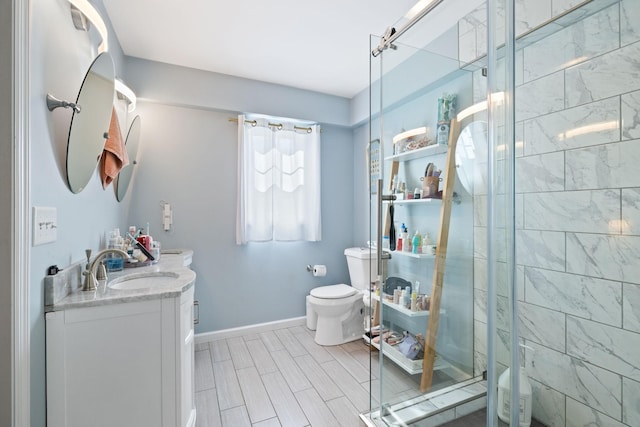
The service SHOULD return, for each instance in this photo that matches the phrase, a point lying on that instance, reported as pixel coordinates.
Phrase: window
(278, 181)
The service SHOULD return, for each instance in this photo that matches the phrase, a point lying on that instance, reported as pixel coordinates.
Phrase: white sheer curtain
(278, 182)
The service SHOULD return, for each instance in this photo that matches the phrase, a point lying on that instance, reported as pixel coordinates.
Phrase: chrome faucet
(90, 280)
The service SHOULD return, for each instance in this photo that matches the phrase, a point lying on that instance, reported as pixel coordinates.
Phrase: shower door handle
(381, 198)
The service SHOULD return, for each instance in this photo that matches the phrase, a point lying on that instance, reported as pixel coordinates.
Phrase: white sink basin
(143, 280)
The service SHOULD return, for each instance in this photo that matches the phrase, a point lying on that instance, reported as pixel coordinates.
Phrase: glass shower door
(415, 93)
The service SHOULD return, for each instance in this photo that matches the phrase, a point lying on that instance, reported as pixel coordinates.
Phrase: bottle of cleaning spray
(504, 395)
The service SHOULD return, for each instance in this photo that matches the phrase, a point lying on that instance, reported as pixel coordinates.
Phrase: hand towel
(114, 156)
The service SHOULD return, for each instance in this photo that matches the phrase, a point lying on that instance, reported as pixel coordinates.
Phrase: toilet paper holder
(317, 270)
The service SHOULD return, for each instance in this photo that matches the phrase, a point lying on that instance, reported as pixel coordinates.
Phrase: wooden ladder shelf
(440, 259)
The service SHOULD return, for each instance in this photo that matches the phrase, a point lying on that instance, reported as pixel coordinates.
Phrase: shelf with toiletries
(419, 153)
(412, 255)
(422, 179)
(411, 366)
(400, 308)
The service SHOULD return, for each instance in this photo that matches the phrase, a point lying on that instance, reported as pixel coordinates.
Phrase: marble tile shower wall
(577, 212)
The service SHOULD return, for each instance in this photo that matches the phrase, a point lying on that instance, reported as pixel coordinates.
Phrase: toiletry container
(406, 244)
(416, 243)
(112, 261)
(504, 396)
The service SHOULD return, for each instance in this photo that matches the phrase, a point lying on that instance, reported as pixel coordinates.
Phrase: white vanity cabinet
(122, 364)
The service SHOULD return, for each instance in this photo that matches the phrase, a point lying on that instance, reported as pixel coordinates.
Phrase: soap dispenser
(504, 396)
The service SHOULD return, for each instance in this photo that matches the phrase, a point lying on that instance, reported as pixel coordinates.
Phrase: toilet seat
(333, 291)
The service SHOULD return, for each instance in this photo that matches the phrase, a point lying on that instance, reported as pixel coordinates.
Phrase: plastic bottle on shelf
(414, 301)
(406, 243)
(417, 243)
(426, 242)
(396, 295)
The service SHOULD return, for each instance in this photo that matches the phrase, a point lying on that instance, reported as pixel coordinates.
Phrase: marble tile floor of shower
(283, 378)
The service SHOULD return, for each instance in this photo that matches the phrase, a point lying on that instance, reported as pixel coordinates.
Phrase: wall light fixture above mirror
(88, 12)
(124, 92)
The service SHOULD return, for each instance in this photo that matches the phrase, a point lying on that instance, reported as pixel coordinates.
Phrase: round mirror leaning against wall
(90, 125)
(132, 142)
(471, 156)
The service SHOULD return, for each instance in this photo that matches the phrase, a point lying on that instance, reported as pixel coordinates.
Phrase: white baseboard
(250, 329)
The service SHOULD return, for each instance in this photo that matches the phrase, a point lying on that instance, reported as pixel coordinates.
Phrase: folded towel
(114, 156)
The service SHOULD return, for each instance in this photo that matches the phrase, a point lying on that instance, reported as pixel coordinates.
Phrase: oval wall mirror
(90, 125)
(132, 142)
(471, 156)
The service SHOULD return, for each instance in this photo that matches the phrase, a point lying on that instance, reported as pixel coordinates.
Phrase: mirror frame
(89, 127)
(132, 144)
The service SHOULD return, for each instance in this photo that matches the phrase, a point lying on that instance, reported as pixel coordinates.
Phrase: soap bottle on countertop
(145, 239)
(112, 261)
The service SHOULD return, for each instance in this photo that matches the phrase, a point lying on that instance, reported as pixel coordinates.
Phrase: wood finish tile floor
(283, 378)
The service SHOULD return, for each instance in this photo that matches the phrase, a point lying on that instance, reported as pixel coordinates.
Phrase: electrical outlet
(45, 225)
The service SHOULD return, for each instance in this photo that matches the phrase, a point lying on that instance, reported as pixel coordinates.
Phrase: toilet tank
(362, 266)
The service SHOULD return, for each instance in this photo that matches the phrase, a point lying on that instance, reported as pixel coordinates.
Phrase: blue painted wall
(189, 159)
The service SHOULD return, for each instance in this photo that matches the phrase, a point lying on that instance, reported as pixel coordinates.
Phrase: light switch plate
(45, 225)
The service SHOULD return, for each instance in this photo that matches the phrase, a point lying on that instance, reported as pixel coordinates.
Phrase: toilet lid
(333, 291)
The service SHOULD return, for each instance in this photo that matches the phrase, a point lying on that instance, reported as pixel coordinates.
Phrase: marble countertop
(104, 295)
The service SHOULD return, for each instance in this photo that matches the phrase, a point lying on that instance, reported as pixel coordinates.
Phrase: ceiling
(321, 46)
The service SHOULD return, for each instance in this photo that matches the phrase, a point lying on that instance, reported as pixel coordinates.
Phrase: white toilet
(336, 312)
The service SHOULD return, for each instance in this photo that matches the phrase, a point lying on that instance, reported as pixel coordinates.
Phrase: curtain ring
(309, 130)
